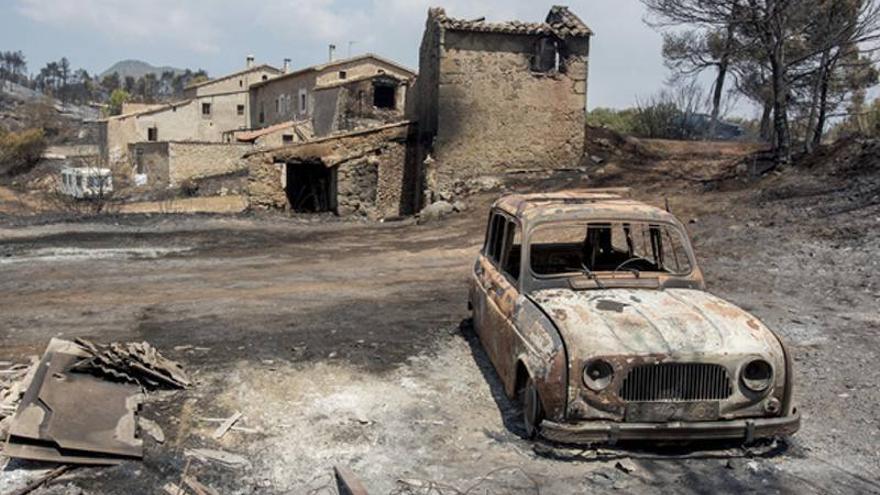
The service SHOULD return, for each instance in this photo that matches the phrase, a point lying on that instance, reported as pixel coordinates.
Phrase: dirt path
(342, 343)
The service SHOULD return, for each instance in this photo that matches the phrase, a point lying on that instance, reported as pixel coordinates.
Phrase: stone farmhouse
(499, 97)
(341, 95)
(210, 110)
(490, 99)
(368, 136)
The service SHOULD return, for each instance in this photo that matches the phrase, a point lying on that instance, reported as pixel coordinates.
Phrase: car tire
(533, 412)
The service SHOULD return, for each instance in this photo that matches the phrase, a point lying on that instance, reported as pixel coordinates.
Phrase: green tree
(117, 98)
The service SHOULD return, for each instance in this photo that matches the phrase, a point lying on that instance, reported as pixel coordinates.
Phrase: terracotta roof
(560, 22)
(328, 65)
(565, 21)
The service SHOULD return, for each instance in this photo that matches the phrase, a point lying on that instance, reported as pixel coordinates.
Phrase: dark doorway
(311, 187)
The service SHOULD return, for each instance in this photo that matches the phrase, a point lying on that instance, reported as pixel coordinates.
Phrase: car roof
(583, 204)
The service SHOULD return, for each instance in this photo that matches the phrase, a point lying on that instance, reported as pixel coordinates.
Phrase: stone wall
(239, 81)
(423, 95)
(150, 160)
(168, 164)
(349, 106)
(483, 110)
(265, 188)
(177, 122)
(373, 172)
(325, 117)
(359, 68)
(279, 99)
(129, 107)
(277, 138)
(356, 187)
(198, 160)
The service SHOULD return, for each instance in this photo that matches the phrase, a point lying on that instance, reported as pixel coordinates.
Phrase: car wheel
(533, 413)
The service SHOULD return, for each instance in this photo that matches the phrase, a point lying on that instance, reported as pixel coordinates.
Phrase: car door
(500, 285)
(483, 275)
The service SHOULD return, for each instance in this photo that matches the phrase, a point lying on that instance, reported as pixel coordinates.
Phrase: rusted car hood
(682, 322)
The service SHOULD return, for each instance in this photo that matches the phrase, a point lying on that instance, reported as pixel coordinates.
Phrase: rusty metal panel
(74, 418)
(661, 412)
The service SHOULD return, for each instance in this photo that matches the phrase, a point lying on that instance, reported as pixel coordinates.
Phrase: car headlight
(757, 375)
(598, 374)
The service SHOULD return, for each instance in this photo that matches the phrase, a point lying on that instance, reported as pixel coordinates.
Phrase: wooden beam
(347, 483)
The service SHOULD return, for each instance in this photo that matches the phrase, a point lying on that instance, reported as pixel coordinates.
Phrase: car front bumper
(583, 432)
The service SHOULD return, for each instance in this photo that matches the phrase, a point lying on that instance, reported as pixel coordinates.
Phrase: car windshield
(635, 247)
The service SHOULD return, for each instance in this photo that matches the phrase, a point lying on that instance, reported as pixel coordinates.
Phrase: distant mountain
(137, 69)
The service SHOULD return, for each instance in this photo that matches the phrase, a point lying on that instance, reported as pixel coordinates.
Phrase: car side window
(493, 236)
(512, 250)
(488, 242)
(496, 243)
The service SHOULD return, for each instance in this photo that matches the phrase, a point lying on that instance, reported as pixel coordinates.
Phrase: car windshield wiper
(592, 276)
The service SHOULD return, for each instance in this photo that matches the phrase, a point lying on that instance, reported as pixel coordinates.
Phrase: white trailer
(86, 182)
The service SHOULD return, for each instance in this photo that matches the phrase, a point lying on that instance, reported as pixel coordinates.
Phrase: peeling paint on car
(667, 325)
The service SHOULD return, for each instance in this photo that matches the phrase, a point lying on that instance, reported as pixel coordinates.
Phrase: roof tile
(560, 22)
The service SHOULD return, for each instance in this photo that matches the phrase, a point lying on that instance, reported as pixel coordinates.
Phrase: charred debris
(80, 402)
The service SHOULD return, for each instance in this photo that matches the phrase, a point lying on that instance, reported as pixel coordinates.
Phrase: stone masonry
(493, 98)
(375, 175)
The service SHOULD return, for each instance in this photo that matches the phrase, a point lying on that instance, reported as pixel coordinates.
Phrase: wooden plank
(347, 483)
(33, 485)
(172, 489)
(227, 424)
(199, 487)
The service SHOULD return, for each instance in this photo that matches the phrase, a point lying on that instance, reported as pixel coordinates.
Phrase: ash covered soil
(348, 343)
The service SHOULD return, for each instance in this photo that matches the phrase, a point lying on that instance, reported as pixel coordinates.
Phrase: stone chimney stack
(250, 62)
(286, 65)
(332, 52)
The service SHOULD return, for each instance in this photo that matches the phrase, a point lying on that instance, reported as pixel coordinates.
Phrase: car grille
(672, 382)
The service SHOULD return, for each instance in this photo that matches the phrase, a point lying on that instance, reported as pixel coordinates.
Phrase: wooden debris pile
(14, 380)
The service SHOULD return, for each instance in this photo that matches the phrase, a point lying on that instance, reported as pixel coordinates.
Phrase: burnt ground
(347, 342)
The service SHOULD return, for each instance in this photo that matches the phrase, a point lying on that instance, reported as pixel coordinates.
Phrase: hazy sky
(216, 35)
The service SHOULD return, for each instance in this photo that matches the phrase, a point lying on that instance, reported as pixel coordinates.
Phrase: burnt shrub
(189, 188)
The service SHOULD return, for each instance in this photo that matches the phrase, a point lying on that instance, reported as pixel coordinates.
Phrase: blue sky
(216, 35)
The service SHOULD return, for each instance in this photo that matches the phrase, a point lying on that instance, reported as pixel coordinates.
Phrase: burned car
(592, 309)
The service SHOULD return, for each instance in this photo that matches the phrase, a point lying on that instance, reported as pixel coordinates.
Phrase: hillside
(138, 69)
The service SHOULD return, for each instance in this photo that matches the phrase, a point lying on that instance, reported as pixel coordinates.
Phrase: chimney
(250, 62)
(332, 52)
(286, 65)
